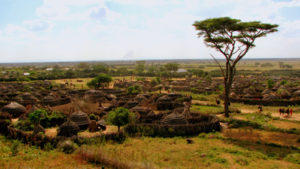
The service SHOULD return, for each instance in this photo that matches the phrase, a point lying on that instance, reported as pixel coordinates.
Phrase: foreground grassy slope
(207, 151)
(33, 157)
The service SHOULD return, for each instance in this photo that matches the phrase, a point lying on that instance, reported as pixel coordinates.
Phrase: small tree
(140, 67)
(233, 39)
(120, 117)
(100, 81)
(171, 68)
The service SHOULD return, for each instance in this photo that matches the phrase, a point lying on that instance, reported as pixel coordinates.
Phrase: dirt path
(247, 111)
(294, 117)
(201, 102)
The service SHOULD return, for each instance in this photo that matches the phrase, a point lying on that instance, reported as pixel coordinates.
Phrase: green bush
(35, 116)
(134, 90)
(46, 119)
(48, 146)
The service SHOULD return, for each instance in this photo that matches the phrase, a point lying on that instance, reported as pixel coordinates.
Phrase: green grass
(207, 109)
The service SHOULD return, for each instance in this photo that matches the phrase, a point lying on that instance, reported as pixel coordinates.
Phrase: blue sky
(72, 30)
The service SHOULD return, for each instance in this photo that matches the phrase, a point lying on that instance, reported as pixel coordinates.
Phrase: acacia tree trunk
(228, 79)
(226, 100)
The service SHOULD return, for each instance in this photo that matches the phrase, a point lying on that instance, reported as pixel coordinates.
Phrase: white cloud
(38, 25)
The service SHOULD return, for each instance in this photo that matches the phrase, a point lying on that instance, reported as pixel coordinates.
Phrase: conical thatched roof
(174, 119)
(49, 98)
(68, 129)
(270, 96)
(15, 109)
(94, 95)
(296, 93)
(266, 91)
(29, 98)
(81, 119)
(284, 93)
(139, 98)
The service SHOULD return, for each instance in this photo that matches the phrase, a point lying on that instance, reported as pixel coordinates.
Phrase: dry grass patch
(249, 134)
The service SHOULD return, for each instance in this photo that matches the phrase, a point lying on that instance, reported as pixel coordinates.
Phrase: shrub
(15, 147)
(67, 146)
(48, 147)
(134, 90)
(24, 125)
(93, 117)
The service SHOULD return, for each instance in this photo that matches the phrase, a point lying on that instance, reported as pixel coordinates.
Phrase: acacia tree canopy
(99, 81)
(233, 39)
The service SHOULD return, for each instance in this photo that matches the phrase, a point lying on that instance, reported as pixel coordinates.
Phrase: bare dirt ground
(247, 110)
(294, 117)
(51, 132)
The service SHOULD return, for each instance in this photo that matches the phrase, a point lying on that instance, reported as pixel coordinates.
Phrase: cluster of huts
(155, 109)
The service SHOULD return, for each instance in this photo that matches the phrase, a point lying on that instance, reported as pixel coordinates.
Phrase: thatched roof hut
(94, 96)
(164, 103)
(81, 119)
(271, 96)
(284, 93)
(174, 119)
(266, 91)
(49, 100)
(15, 109)
(29, 98)
(68, 129)
(296, 93)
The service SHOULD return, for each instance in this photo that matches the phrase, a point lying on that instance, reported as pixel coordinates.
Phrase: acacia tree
(233, 39)
(100, 81)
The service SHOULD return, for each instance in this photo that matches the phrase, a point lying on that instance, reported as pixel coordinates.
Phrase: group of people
(288, 111)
